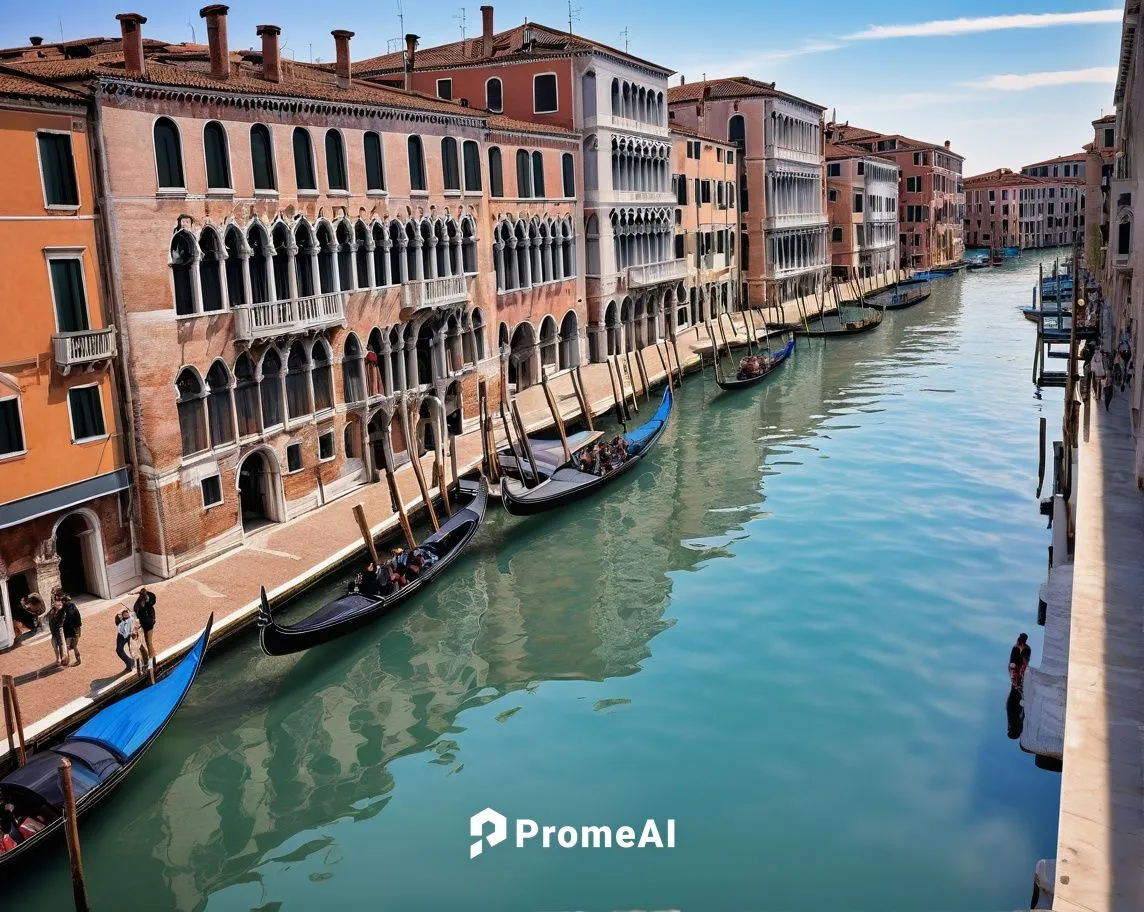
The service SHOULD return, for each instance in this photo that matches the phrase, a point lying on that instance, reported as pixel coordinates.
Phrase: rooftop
(1002, 177)
(1060, 159)
(685, 130)
(845, 133)
(730, 87)
(839, 151)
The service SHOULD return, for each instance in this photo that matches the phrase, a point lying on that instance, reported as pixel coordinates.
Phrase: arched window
(449, 169)
(737, 131)
(350, 440)
(361, 257)
(569, 341)
(478, 334)
(210, 270)
(471, 154)
(235, 277)
(494, 96)
(281, 257)
(588, 94)
(218, 405)
(304, 160)
(468, 246)
(353, 378)
(335, 161)
(396, 359)
(568, 173)
(192, 421)
(258, 264)
(416, 164)
(322, 373)
(379, 258)
(303, 262)
(218, 156)
(297, 383)
(523, 174)
(246, 396)
(538, 174)
(496, 176)
(568, 260)
(374, 163)
(345, 256)
(182, 269)
(262, 158)
(548, 347)
(592, 232)
(168, 155)
(326, 264)
(270, 389)
(617, 109)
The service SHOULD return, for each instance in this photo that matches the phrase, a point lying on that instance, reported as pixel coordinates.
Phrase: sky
(1008, 82)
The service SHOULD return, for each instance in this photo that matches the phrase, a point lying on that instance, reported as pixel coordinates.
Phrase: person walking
(72, 627)
(56, 629)
(1098, 374)
(124, 630)
(1109, 382)
(145, 611)
(29, 614)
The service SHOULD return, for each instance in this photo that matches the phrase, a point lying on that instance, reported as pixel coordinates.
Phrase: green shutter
(303, 160)
(374, 172)
(261, 156)
(11, 434)
(58, 168)
(67, 286)
(86, 412)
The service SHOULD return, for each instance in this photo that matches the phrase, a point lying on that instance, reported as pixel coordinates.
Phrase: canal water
(787, 631)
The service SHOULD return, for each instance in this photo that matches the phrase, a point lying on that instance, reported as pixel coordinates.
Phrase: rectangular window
(679, 246)
(11, 427)
(294, 457)
(471, 153)
(718, 155)
(832, 195)
(67, 290)
(705, 191)
(86, 413)
(681, 190)
(57, 166)
(720, 199)
(861, 168)
(326, 446)
(1108, 137)
(730, 157)
(544, 94)
(857, 202)
(212, 491)
(834, 169)
(445, 89)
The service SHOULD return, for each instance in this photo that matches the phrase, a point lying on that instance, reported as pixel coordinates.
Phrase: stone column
(47, 569)
(7, 629)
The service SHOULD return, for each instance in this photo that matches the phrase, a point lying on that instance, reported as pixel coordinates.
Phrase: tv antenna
(461, 16)
(192, 28)
(400, 20)
(573, 14)
(625, 35)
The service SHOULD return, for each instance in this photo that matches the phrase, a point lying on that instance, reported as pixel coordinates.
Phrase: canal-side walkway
(1100, 848)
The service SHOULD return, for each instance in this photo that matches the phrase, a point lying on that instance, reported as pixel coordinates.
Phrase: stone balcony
(655, 273)
(422, 293)
(254, 322)
(794, 220)
(85, 349)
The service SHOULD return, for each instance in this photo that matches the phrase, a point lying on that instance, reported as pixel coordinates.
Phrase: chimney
(486, 31)
(342, 42)
(410, 59)
(271, 63)
(133, 61)
(682, 79)
(947, 143)
(216, 39)
(35, 41)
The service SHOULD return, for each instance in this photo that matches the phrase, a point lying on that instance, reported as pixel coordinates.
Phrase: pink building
(862, 205)
(993, 208)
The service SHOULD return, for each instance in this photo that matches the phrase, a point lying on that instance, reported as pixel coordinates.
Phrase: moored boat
(901, 295)
(102, 752)
(565, 484)
(776, 358)
(844, 324)
(355, 609)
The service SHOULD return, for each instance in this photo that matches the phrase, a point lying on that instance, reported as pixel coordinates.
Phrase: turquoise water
(788, 632)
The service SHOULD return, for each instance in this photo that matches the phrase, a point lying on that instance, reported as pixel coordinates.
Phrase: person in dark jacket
(145, 613)
(72, 627)
(1019, 657)
(56, 629)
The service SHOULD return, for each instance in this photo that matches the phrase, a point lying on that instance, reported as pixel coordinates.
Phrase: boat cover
(126, 726)
(638, 438)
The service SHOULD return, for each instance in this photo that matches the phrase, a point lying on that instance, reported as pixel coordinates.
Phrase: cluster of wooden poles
(749, 330)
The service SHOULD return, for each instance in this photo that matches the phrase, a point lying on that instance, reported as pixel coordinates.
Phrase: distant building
(1061, 166)
(1100, 161)
(862, 205)
(993, 208)
(931, 199)
(784, 248)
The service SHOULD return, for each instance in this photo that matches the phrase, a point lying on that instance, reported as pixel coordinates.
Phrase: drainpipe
(106, 241)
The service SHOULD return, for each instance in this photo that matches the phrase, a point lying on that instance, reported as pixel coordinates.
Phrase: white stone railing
(794, 220)
(653, 273)
(279, 318)
(435, 292)
(72, 349)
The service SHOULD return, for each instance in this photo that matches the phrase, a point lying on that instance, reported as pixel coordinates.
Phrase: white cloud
(749, 64)
(1018, 82)
(964, 26)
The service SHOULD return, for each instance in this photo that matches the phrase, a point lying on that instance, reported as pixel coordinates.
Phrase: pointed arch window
(192, 420)
(257, 265)
(246, 396)
(270, 389)
(353, 379)
(335, 161)
(297, 383)
(449, 169)
(218, 156)
(262, 158)
(327, 282)
(304, 160)
(374, 163)
(235, 274)
(168, 155)
(416, 164)
(182, 269)
(219, 409)
(210, 270)
(321, 373)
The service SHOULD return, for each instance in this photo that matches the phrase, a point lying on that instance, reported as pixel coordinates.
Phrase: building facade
(66, 504)
(862, 205)
(305, 264)
(1100, 162)
(784, 249)
(1061, 166)
(995, 210)
(616, 104)
(931, 195)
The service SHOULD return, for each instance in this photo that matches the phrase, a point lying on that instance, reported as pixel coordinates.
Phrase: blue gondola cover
(638, 438)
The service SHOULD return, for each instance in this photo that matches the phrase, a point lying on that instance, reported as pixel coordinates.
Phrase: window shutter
(67, 284)
(58, 167)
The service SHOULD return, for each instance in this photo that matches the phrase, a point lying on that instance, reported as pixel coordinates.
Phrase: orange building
(64, 499)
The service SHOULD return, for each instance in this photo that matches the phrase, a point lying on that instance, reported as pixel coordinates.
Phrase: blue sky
(1007, 84)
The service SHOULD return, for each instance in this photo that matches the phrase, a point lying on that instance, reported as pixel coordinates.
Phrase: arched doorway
(522, 353)
(425, 355)
(80, 549)
(259, 486)
(454, 409)
(426, 433)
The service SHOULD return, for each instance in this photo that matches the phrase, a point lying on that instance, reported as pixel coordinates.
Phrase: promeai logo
(650, 834)
(477, 828)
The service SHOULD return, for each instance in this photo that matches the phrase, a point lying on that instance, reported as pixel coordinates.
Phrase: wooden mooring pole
(643, 372)
(557, 419)
(663, 364)
(71, 832)
(1041, 457)
(411, 451)
(402, 516)
(582, 397)
(523, 432)
(12, 719)
(367, 536)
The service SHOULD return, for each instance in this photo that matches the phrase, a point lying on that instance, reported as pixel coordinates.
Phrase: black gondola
(565, 484)
(777, 358)
(901, 295)
(102, 752)
(818, 327)
(351, 611)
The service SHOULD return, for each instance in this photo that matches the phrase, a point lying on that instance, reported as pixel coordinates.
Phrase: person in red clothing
(1019, 657)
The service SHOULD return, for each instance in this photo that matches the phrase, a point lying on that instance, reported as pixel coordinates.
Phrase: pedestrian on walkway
(1109, 382)
(29, 613)
(145, 612)
(56, 629)
(72, 626)
(124, 631)
(1098, 374)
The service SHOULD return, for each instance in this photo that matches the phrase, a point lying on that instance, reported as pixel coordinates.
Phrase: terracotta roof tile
(731, 87)
(20, 86)
(1075, 156)
(845, 133)
(836, 151)
(685, 130)
(999, 177)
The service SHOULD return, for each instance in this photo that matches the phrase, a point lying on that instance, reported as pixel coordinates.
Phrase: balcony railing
(77, 349)
(794, 220)
(654, 273)
(435, 292)
(282, 318)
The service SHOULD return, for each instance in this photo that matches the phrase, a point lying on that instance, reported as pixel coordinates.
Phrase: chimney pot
(133, 61)
(35, 41)
(271, 62)
(410, 58)
(342, 69)
(215, 14)
(486, 31)
(947, 143)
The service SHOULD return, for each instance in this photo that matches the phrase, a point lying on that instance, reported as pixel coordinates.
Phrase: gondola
(565, 484)
(818, 328)
(901, 295)
(353, 610)
(1049, 313)
(549, 454)
(102, 752)
(777, 358)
